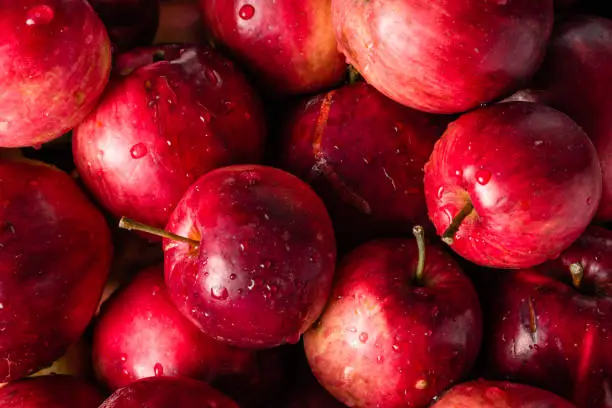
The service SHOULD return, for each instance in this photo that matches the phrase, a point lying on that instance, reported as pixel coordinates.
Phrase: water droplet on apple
(229, 106)
(363, 337)
(158, 370)
(483, 177)
(380, 359)
(138, 151)
(440, 191)
(246, 12)
(219, 292)
(265, 265)
(123, 357)
(125, 371)
(39, 15)
(352, 329)
(251, 284)
(395, 347)
(233, 276)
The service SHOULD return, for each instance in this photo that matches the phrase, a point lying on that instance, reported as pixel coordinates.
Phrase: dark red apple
(551, 326)
(55, 253)
(258, 269)
(445, 57)
(498, 394)
(512, 185)
(289, 46)
(130, 23)
(51, 391)
(364, 155)
(164, 124)
(399, 328)
(55, 61)
(165, 392)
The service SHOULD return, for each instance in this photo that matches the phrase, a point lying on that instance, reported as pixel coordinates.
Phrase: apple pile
(317, 204)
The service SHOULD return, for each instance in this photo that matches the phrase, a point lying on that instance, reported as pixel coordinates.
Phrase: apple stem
(353, 75)
(577, 272)
(132, 225)
(449, 235)
(419, 234)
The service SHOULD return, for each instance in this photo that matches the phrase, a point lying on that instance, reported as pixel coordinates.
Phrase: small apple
(399, 329)
(50, 391)
(512, 185)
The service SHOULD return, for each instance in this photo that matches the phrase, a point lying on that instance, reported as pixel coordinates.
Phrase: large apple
(55, 61)
(399, 328)
(551, 326)
(51, 391)
(364, 155)
(512, 185)
(288, 45)
(171, 114)
(55, 253)
(443, 57)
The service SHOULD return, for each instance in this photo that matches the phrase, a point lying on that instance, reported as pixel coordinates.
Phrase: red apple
(51, 391)
(55, 252)
(257, 267)
(399, 328)
(55, 63)
(364, 154)
(551, 326)
(445, 57)
(141, 333)
(497, 394)
(130, 23)
(289, 46)
(165, 392)
(512, 185)
(164, 124)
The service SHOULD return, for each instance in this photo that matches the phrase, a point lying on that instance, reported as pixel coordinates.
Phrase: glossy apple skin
(141, 334)
(499, 394)
(364, 155)
(532, 175)
(384, 340)
(56, 59)
(51, 391)
(55, 258)
(164, 392)
(264, 267)
(446, 58)
(130, 23)
(164, 124)
(288, 46)
(544, 332)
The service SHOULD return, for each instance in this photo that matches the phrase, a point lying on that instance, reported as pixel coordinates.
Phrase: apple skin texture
(499, 394)
(264, 267)
(532, 175)
(443, 57)
(55, 60)
(384, 340)
(50, 391)
(54, 260)
(544, 332)
(164, 124)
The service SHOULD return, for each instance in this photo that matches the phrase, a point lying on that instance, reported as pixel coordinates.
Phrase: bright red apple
(551, 326)
(165, 392)
(498, 394)
(51, 391)
(444, 58)
(178, 112)
(55, 253)
(364, 155)
(512, 185)
(402, 325)
(55, 61)
(289, 46)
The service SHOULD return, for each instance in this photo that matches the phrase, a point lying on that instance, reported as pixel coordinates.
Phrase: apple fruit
(180, 22)
(130, 23)
(55, 254)
(550, 326)
(401, 326)
(289, 47)
(364, 155)
(164, 392)
(161, 125)
(55, 60)
(512, 185)
(499, 394)
(50, 391)
(140, 333)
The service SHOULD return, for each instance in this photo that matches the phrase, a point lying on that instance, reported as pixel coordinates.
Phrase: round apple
(50, 391)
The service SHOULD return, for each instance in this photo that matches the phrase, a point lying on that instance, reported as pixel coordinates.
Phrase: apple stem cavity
(419, 234)
(577, 271)
(449, 235)
(353, 75)
(132, 225)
